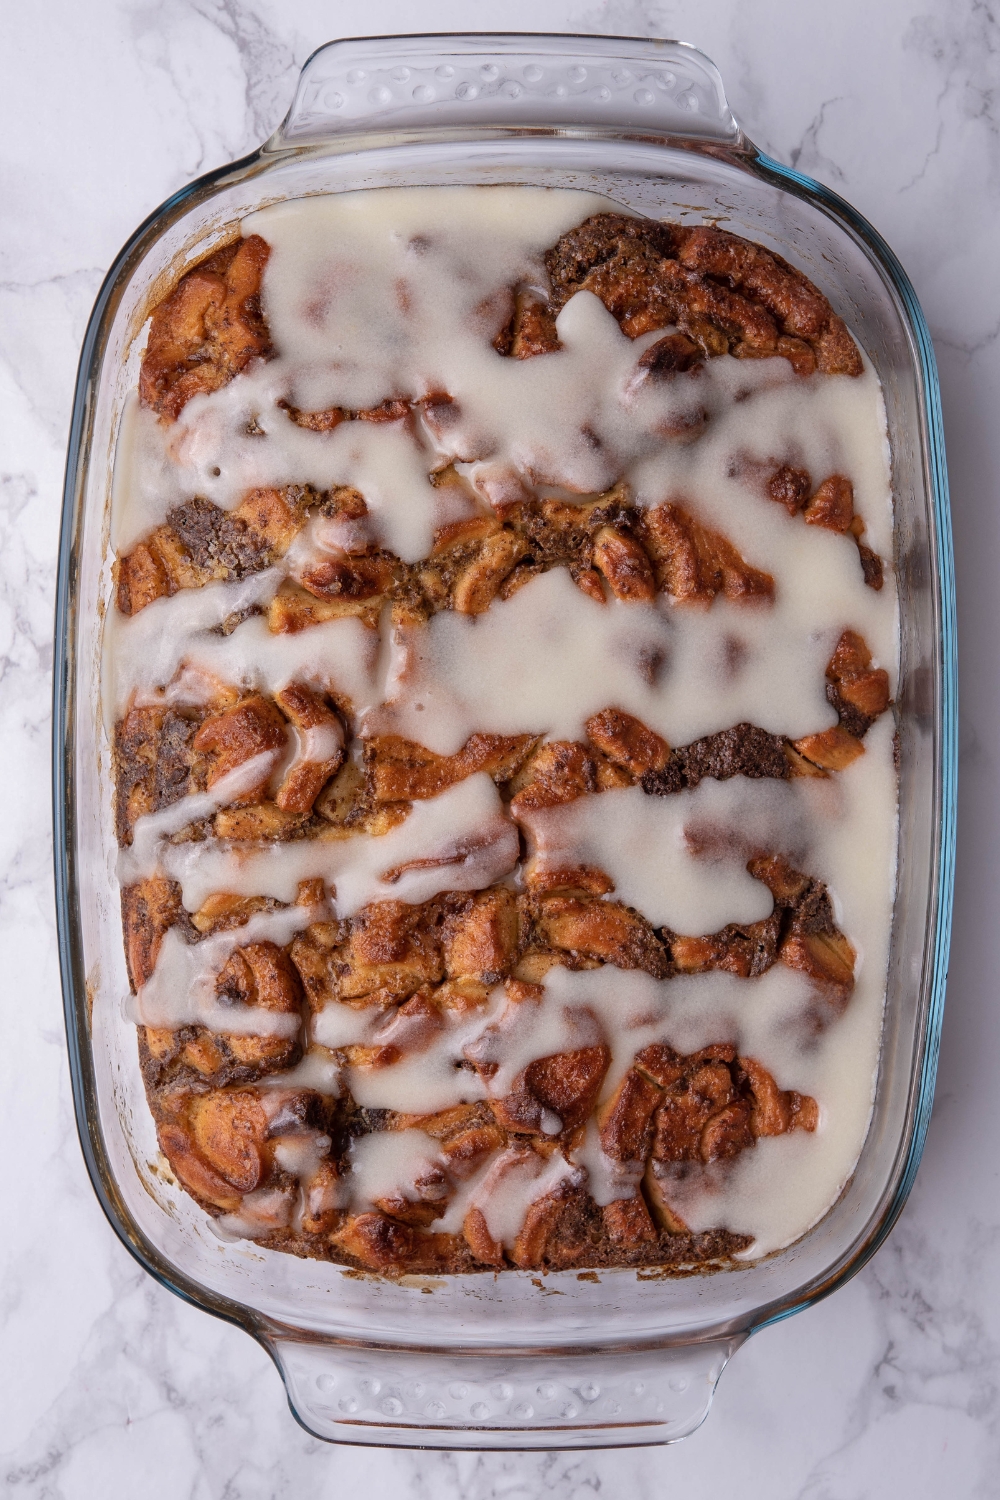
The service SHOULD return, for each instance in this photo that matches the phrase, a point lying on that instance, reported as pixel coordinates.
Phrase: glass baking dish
(518, 1360)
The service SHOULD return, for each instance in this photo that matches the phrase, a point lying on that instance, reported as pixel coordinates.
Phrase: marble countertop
(109, 1385)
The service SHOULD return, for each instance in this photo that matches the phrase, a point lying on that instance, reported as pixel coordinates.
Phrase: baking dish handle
(502, 83)
(412, 1398)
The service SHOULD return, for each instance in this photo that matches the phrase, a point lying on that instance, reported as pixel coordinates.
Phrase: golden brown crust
(693, 563)
(597, 929)
(811, 941)
(706, 1107)
(378, 1243)
(487, 1250)
(444, 956)
(480, 936)
(727, 294)
(618, 557)
(393, 409)
(163, 752)
(256, 974)
(627, 742)
(605, 543)
(566, 1230)
(626, 1119)
(220, 1142)
(208, 329)
(559, 771)
(199, 543)
(831, 506)
(400, 770)
(555, 1094)
(260, 974)
(251, 728)
(155, 762)
(308, 712)
(215, 1142)
(858, 691)
(149, 909)
(531, 329)
(562, 917)
(193, 1056)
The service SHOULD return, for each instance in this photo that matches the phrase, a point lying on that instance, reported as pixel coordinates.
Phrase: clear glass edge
(725, 130)
(746, 157)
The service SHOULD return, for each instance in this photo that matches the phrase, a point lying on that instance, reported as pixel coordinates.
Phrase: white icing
(181, 989)
(461, 1199)
(191, 685)
(385, 463)
(378, 293)
(151, 831)
(528, 1029)
(340, 1025)
(761, 411)
(459, 841)
(259, 1212)
(516, 1180)
(607, 1180)
(423, 1082)
(683, 671)
(419, 1084)
(131, 519)
(319, 1070)
(389, 1163)
(320, 743)
(150, 648)
(301, 1154)
(650, 847)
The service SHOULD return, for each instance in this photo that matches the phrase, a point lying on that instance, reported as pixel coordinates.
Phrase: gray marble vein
(110, 1386)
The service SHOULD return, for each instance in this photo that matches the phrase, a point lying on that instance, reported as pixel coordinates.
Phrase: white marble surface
(110, 1386)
